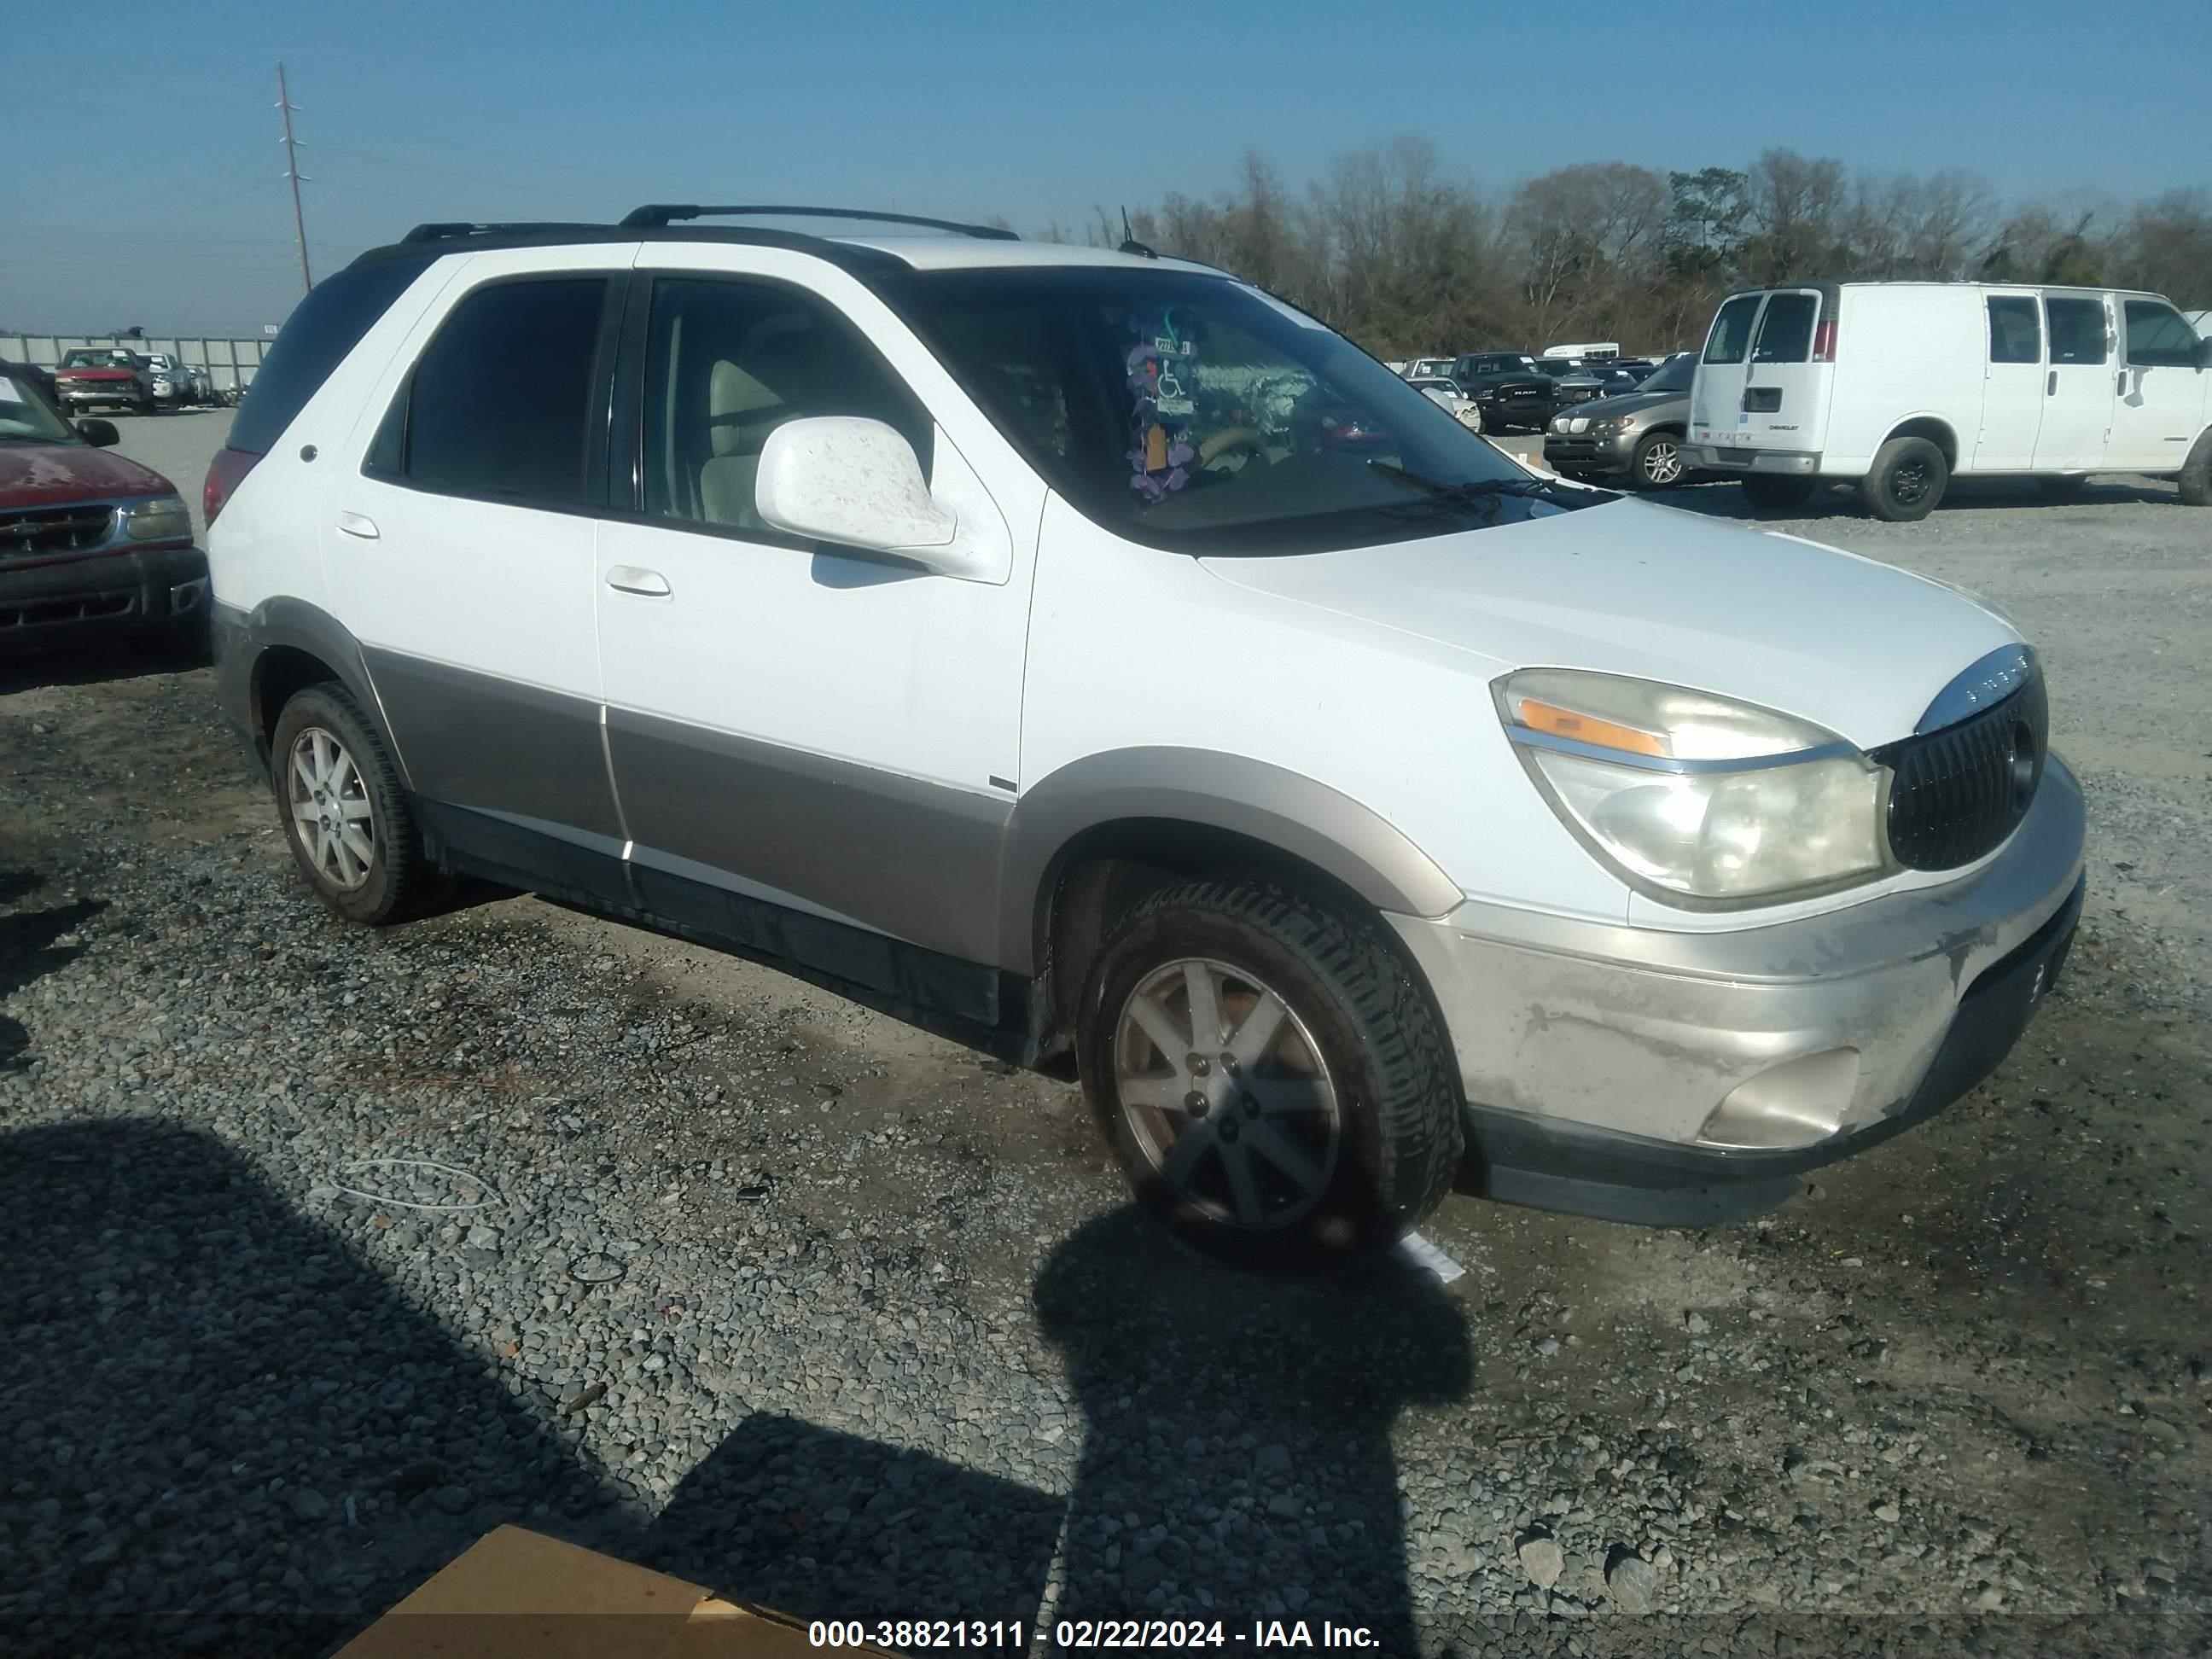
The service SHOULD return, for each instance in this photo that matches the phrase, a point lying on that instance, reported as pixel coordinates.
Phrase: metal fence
(228, 362)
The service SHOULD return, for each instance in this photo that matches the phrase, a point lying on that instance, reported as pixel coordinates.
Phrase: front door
(459, 546)
(836, 733)
(2160, 407)
(2077, 384)
(2012, 384)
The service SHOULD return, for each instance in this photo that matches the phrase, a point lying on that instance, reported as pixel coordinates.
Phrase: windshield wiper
(1490, 489)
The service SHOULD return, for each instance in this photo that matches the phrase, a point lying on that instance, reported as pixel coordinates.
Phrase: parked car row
(116, 377)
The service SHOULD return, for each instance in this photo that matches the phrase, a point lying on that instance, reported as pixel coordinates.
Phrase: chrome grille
(1959, 791)
(54, 530)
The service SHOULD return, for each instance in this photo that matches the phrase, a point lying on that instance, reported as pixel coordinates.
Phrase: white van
(1584, 349)
(1903, 386)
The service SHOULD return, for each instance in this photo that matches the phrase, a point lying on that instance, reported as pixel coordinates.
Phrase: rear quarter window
(1785, 333)
(326, 325)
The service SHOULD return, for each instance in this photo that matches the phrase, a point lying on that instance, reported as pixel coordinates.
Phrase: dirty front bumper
(1691, 1077)
(139, 589)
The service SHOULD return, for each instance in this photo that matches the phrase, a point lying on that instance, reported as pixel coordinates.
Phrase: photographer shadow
(1236, 1458)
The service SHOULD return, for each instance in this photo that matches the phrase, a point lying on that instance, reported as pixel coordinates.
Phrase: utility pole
(285, 108)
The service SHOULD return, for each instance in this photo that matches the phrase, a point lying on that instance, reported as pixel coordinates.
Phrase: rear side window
(1785, 333)
(325, 326)
(2016, 332)
(500, 405)
(2157, 337)
(2077, 330)
(1731, 334)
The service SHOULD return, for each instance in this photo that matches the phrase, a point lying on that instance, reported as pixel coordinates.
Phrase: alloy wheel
(331, 809)
(1226, 1094)
(1662, 463)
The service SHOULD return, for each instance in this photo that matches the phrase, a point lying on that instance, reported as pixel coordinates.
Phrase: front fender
(1296, 814)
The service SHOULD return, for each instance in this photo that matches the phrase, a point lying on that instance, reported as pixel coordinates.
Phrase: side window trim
(626, 495)
(597, 416)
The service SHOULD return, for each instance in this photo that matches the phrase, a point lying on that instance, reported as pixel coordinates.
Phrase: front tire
(1269, 1075)
(2196, 480)
(1769, 492)
(1658, 464)
(1907, 480)
(345, 817)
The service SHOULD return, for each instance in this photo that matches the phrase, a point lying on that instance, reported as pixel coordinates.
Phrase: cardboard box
(517, 1595)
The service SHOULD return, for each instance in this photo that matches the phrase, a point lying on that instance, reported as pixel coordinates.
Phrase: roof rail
(656, 215)
(442, 231)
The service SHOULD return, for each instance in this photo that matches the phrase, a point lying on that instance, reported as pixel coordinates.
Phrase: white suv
(1092, 654)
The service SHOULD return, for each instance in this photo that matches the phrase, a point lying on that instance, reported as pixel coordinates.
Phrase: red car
(90, 544)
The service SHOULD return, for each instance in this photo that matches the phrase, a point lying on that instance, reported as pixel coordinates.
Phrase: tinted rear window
(328, 324)
(1732, 330)
(1785, 333)
(500, 404)
(2077, 330)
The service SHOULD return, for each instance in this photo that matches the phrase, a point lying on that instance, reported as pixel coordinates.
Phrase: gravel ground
(324, 1250)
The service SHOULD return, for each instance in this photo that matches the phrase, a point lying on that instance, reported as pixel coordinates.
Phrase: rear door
(1717, 394)
(2077, 383)
(1783, 387)
(2012, 384)
(2159, 407)
(459, 545)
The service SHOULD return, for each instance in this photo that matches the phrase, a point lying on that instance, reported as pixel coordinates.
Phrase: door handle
(2051, 387)
(2121, 388)
(358, 524)
(629, 579)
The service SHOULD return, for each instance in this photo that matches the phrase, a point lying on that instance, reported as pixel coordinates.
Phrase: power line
(285, 108)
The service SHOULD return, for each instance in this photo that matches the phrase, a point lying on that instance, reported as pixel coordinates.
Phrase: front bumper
(101, 594)
(1729, 457)
(1499, 417)
(1688, 1077)
(1590, 452)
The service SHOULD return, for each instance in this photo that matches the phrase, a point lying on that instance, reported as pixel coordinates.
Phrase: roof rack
(657, 214)
(442, 231)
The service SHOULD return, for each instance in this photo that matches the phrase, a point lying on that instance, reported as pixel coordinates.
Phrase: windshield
(25, 414)
(99, 359)
(1192, 412)
(1673, 375)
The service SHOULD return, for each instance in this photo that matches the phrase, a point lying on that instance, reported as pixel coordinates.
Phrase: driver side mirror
(846, 479)
(100, 434)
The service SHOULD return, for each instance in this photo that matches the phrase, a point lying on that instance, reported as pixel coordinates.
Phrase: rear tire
(2195, 479)
(1313, 1118)
(1766, 492)
(1906, 481)
(1658, 461)
(334, 780)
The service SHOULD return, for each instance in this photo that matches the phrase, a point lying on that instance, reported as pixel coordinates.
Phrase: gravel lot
(717, 1272)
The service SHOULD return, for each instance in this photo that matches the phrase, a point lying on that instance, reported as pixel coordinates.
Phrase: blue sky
(489, 109)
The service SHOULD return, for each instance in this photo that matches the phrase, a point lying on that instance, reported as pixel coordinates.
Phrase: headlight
(1697, 799)
(1558, 423)
(1626, 423)
(161, 520)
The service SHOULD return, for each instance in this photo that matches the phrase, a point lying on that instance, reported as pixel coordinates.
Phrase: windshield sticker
(1160, 380)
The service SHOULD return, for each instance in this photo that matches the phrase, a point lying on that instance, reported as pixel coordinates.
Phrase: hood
(54, 475)
(1632, 402)
(1860, 647)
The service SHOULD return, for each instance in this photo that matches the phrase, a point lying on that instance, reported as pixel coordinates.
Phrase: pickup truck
(110, 377)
